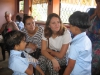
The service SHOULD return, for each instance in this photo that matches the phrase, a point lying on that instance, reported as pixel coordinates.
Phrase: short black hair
(18, 18)
(80, 19)
(25, 18)
(13, 38)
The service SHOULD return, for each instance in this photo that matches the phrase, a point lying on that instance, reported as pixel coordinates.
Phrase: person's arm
(93, 15)
(44, 52)
(69, 68)
(29, 70)
(15, 26)
(39, 70)
(2, 28)
(66, 39)
(61, 53)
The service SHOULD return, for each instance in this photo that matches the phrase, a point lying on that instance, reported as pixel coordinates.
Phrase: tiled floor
(4, 64)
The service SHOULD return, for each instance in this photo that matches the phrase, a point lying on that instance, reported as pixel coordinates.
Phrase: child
(80, 52)
(20, 62)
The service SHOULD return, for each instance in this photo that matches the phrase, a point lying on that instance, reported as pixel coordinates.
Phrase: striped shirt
(36, 38)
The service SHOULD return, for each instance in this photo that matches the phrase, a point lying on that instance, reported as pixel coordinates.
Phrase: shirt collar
(15, 52)
(78, 36)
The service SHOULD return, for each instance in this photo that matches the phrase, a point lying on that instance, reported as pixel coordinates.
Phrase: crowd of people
(80, 53)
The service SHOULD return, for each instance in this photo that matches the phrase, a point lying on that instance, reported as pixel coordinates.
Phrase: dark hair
(13, 38)
(80, 19)
(24, 15)
(97, 1)
(25, 18)
(48, 31)
(18, 18)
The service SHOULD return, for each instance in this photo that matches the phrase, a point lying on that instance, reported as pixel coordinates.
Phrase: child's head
(15, 40)
(79, 21)
(18, 18)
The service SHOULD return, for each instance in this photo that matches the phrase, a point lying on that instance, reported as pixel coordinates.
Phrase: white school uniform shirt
(56, 43)
(81, 51)
(17, 63)
(20, 25)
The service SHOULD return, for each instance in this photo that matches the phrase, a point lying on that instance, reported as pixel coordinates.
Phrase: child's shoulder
(14, 58)
(17, 61)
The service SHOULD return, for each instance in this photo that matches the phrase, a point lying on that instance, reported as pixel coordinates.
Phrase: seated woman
(33, 34)
(55, 43)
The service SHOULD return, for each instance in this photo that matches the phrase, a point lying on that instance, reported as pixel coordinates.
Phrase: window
(21, 5)
(70, 6)
(39, 9)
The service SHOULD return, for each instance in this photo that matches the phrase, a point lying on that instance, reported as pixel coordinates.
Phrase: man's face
(8, 17)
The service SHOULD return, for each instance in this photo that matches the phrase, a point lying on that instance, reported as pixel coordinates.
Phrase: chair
(3, 48)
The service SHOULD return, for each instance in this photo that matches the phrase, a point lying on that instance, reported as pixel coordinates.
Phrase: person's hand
(32, 46)
(50, 52)
(56, 65)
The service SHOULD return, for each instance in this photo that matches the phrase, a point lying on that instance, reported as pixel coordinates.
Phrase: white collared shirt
(81, 51)
(17, 63)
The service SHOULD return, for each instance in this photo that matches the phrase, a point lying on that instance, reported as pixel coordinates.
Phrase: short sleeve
(43, 37)
(67, 37)
(19, 65)
(73, 53)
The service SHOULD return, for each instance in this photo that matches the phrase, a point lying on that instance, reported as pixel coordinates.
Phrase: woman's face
(55, 24)
(30, 25)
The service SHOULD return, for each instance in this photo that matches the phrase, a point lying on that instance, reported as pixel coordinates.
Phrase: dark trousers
(3, 50)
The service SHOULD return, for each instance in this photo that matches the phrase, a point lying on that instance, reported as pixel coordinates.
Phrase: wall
(53, 6)
(7, 5)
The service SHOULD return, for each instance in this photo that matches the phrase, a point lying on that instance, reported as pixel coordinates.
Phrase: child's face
(22, 45)
(72, 29)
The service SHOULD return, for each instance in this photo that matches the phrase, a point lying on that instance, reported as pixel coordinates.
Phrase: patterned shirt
(36, 38)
